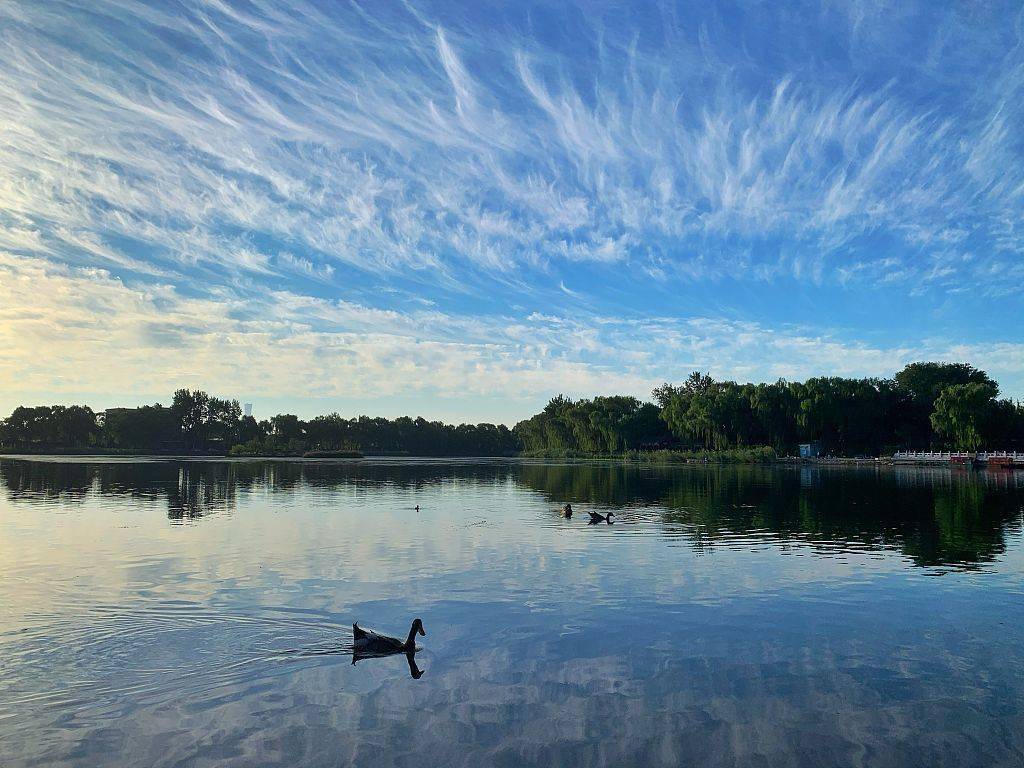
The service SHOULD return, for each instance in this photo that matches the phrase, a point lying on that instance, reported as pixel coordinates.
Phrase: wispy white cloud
(292, 165)
(383, 142)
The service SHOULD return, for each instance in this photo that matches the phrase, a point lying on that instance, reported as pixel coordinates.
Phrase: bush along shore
(925, 406)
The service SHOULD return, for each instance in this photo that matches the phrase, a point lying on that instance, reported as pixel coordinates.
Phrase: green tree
(602, 425)
(287, 426)
(962, 412)
(192, 409)
(151, 427)
(775, 408)
(223, 420)
(205, 419)
(50, 426)
(921, 384)
(249, 429)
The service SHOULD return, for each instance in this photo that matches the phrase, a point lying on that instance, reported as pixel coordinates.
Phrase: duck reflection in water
(359, 654)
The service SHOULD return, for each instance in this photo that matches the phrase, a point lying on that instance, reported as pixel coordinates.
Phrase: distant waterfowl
(366, 640)
(567, 511)
(597, 517)
(417, 507)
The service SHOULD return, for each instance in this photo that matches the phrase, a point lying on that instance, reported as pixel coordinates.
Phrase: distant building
(248, 409)
(810, 450)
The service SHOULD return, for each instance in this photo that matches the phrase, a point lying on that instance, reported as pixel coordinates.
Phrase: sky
(461, 209)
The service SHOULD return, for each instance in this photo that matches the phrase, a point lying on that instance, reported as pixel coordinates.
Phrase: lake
(198, 613)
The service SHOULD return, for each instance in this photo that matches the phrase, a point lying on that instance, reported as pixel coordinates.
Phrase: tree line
(925, 406)
(197, 422)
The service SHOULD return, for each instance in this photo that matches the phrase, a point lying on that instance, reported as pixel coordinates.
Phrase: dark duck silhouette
(567, 511)
(368, 642)
(597, 517)
(358, 653)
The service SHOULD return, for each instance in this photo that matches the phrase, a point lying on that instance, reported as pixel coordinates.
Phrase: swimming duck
(567, 511)
(597, 517)
(368, 640)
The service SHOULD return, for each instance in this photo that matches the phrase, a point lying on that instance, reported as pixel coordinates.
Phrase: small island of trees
(925, 406)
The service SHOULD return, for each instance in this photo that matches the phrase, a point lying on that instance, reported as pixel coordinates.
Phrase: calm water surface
(167, 613)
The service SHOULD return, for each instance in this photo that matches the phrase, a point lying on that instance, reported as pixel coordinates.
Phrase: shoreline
(782, 461)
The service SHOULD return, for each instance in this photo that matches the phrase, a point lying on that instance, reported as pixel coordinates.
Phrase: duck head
(415, 629)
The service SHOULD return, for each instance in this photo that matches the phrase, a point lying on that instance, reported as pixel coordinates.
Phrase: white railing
(1015, 457)
(933, 455)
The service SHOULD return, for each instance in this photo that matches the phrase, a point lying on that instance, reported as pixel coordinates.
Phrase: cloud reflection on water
(732, 615)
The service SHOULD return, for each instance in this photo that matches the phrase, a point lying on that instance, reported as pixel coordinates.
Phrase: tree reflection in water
(934, 516)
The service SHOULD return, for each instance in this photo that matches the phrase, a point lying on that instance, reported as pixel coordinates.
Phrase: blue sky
(461, 209)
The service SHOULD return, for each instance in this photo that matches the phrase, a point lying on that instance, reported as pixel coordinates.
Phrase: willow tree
(961, 412)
